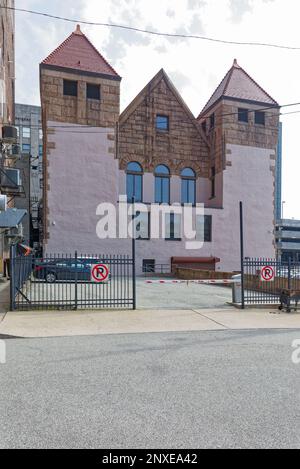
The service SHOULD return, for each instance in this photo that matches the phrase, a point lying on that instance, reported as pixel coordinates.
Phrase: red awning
(195, 260)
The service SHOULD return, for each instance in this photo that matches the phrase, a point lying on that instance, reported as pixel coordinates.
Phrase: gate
(265, 279)
(72, 282)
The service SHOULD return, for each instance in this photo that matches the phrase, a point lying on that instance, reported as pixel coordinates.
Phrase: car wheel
(50, 277)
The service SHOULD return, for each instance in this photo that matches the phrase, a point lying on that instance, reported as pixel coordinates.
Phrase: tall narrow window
(213, 182)
(212, 121)
(188, 186)
(134, 182)
(173, 227)
(204, 228)
(162, 184)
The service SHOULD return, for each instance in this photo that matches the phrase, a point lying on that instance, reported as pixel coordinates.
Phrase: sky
(196, 67)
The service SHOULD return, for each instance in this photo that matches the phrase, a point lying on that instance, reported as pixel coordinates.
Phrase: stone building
(157, 152)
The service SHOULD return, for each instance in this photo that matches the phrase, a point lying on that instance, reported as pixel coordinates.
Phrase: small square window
(70, 88)
(93, 91)
(149, 266)
(26, 148)
(243, 115)
(162, 122)
(26, 132)
(260, 118)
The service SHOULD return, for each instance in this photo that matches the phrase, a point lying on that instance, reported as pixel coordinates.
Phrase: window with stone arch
(162, 184)
(188, 186)
(134, 182)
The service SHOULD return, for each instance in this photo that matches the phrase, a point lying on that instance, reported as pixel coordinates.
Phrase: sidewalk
(76, 323)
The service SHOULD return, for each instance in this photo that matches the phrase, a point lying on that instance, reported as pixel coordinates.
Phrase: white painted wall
(80, 178)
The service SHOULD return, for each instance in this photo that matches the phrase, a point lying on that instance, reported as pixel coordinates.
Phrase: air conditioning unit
(17, 232)
(3, 203)
(14, 151)
(11, 177)
(9, 133)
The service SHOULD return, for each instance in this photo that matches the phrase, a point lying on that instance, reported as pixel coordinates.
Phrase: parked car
(52, 270)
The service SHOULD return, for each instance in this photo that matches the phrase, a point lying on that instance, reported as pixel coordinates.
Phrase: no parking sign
(99, 273)
(267, 274)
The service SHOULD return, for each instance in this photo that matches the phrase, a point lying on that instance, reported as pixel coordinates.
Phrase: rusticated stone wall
(79, 109)
(179, 147)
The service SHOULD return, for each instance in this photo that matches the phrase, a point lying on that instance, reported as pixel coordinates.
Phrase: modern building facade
(288, 240)
(28, 122)
(157, 152)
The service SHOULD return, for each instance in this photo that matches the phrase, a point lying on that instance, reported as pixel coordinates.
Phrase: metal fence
(72, 282)
(264, 280)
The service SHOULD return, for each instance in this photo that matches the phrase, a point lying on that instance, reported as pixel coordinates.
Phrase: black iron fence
(266, 279)
(72, 282)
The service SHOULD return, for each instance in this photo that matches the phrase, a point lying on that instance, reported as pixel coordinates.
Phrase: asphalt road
(223, 389)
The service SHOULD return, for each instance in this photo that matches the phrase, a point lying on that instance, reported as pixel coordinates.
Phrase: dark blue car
(53, 270)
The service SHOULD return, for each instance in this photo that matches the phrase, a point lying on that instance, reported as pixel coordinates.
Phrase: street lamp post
(282, 209)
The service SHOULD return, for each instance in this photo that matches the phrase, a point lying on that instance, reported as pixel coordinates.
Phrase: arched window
(134, 182)
(188, 186)
(162, 184)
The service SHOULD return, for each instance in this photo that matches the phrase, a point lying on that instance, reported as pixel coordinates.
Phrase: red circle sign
(100, 273)
(268, 273)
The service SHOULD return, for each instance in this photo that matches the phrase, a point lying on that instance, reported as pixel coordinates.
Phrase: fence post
(242, 254)
(289, 274)
(133, 257)
(76, 281)
(12, 260)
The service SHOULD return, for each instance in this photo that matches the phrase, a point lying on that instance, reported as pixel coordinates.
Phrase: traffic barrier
(206, 282)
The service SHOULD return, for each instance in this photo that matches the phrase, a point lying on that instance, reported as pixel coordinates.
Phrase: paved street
(174, 390)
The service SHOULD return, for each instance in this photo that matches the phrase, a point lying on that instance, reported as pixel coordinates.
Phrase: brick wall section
(80, 110)
(182, 146)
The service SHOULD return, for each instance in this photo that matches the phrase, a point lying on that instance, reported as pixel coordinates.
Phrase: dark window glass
(162, 122)
(134, 182)
(142, 225)
(70, 88)
(243, 115)
(26, 148)
(259, 117)
(213, 182)
(188, 186)
(212, 121)
(162, 185)
(173, 227)
(204, 228)
(93, 91)
(149, 265)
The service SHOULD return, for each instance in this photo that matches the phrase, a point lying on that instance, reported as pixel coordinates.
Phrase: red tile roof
(78, 53)
(238, 84)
